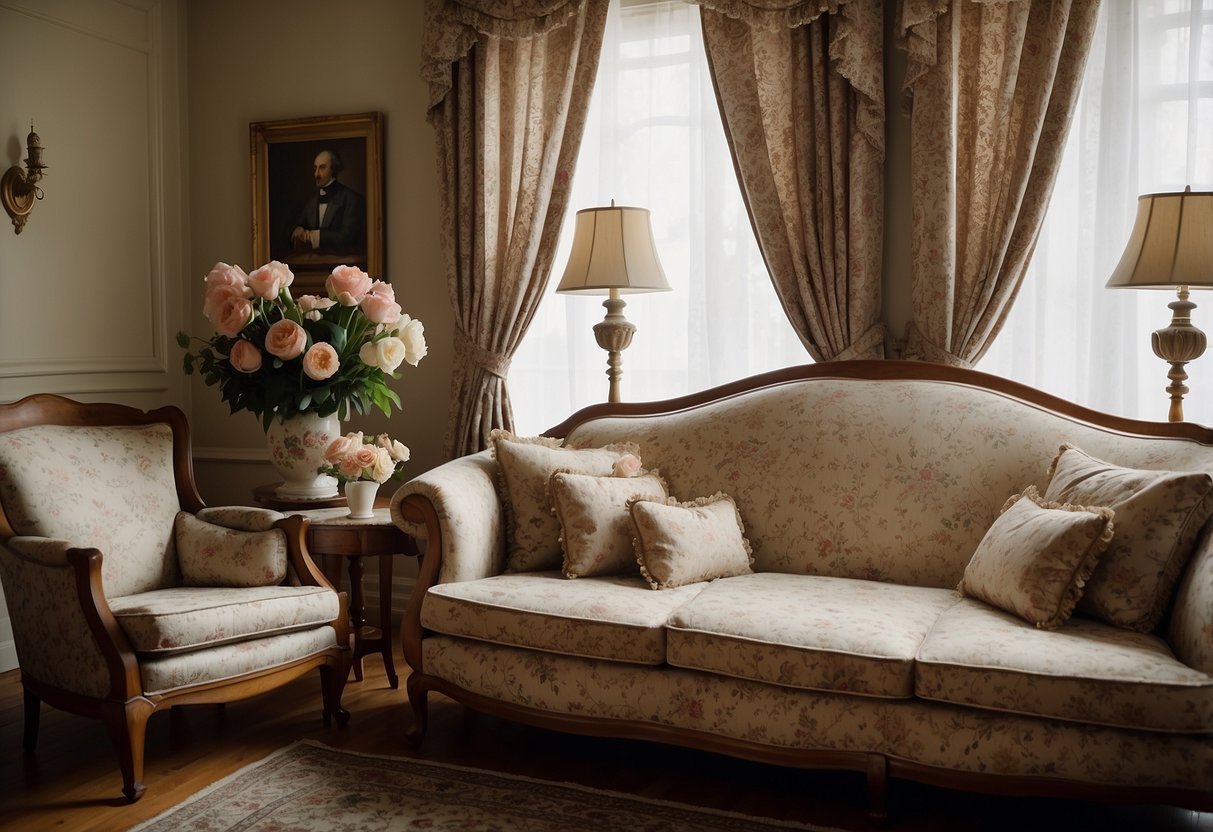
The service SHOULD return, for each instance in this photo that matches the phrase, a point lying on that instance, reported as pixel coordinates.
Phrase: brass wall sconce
(19, 188)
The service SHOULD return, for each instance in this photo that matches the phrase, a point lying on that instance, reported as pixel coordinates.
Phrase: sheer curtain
(1144, 124)
(654, 139)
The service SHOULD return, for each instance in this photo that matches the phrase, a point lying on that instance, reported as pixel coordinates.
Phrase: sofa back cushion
(894, 480)
(111, 488)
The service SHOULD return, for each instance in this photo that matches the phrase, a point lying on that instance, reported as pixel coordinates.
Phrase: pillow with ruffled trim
(680, 543)
(595, 527)
(1036, 558)
(524, 466)
(1158, 516)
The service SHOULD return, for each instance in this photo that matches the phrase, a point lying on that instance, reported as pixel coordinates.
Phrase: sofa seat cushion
(808, 631)
(610, 617)
(178, 620)
(1086, 671)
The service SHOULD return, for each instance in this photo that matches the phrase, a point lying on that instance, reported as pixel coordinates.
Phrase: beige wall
(281, 59)
(90, 291)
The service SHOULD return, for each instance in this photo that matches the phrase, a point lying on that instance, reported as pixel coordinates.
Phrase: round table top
(341, 516)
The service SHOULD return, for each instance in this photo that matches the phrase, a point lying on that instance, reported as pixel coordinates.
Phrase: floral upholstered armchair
(128, 596)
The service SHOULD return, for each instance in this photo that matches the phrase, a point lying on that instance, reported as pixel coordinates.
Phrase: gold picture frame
(286, 196)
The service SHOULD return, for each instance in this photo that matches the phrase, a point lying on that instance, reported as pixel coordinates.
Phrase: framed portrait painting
(318, 195)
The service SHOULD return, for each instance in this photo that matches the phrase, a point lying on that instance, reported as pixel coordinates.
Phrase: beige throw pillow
(1158, 515)
(524, 467)
(1036, 557)
(595, 527)
(211, 555)
(682, 543)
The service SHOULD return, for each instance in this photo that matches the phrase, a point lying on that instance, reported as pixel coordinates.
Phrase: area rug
(310, 786)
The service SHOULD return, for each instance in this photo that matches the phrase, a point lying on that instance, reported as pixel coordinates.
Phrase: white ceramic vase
(297, 447)
(360, 495)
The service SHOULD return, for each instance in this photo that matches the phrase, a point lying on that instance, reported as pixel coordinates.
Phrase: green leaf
(187, 364)
(183, 340)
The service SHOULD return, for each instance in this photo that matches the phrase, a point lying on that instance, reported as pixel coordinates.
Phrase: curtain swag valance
(773, 14)
(452, 27)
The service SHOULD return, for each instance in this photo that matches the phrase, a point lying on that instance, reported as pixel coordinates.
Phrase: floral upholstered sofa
(887, 616)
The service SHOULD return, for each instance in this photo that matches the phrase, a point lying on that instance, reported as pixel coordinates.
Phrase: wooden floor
(72, 781)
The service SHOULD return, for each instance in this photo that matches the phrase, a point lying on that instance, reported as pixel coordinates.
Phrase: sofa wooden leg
(126, 723)
(419, 700)
(33, 711)
(878, 788)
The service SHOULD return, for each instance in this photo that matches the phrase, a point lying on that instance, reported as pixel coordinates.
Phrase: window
(654, 139)
(1144, 124)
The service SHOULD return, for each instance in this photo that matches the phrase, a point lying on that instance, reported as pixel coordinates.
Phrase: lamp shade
(1171, 243)
(613, 249)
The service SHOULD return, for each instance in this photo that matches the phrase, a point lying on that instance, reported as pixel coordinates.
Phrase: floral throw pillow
(595, 527)
(524, 466)
(682, 543)
(211, 555)
(1036, 558)
(1158, 516)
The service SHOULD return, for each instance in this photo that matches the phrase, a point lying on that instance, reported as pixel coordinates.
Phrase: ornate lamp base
(614, 334)
(1178, 344)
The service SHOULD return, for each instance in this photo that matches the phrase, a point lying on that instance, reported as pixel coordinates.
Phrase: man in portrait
(332, 220)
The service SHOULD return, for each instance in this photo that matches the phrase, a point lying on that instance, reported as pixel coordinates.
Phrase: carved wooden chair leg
(878, 789)
(126, 723)
(33, 711)
(419, 700)
(332, 685)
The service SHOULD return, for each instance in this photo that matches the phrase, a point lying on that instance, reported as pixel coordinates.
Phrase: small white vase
(297, 446)
(360, 495)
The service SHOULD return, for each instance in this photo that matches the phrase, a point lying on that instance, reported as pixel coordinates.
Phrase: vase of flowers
(303, 364)
(363, 463)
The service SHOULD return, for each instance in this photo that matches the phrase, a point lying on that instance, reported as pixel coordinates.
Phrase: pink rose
(218, 295)
(286, 339)
(320, 361)
(269, 280)
(245, 356)
(313, 305)
(382, 287)
(348, 285)
(341, 446)
(231, 315)
(365, 456)
(221, 274)
(627, 465)
(380, 309)
(350, 469)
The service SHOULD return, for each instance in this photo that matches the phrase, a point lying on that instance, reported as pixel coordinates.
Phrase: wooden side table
(333, 534)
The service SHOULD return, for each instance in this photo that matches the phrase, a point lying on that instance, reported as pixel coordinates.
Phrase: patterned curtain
(993, 85)
(510, 85)
(801, 93)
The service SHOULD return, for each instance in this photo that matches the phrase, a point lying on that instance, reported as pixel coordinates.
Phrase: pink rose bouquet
(277, 355)
(358, 457)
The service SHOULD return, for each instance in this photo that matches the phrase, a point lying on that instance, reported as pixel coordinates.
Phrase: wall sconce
(19, 188)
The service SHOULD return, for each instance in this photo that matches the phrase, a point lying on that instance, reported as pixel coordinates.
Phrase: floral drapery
(993, 84)
(509, 87)
(801, 93)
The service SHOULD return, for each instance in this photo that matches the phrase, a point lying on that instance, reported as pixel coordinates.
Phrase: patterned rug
(310, 786)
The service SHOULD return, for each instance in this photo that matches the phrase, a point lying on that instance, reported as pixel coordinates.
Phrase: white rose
(386, 353)
(412, 333)
(384, 466)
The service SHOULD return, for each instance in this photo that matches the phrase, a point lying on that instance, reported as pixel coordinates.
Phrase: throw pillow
(595, 527)
(211, 555)
(1158, 516)
(1036, 557)
(682, 543)
(524, 466)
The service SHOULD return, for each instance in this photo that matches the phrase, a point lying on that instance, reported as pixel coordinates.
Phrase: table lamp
(613, 252)
(1171, 247)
